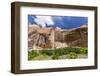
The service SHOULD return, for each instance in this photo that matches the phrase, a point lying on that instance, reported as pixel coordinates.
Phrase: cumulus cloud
(43, 20)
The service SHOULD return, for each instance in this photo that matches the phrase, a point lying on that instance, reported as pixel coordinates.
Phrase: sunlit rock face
(39, 38)
(77, 37)
(50, 38)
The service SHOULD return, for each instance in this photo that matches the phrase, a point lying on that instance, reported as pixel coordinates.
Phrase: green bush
(76, 50)
(72, 55)
(41, 57)
(32, 54)
(67, 50)
(83, 50)
(60, 51)
(55, 56)
(47, 52)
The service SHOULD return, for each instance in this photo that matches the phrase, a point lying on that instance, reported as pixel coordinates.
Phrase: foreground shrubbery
(70, 53)
(83, 50)
(32, 54)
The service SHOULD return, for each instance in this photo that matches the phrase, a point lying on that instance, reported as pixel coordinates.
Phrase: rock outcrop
(39, 38)
(77, 37)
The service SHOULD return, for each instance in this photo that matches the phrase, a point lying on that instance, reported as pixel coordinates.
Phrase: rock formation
(40, 38)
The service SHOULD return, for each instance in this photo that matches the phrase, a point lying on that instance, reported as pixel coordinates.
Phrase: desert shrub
(32, 54)
(47, 52)
(76, 50)
(59, 52)
(67, 50)
(41, 57)
(72, 55)
(83, 50)
(55, 56)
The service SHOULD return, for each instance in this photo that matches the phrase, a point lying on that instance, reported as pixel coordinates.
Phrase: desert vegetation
(61, 53)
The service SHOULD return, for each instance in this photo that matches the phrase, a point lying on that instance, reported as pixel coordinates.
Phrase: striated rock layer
(50, 38)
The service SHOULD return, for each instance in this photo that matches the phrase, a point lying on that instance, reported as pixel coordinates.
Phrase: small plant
(72, 55)
(83, 50)
(47, 52)
(41, 57)
(32, 54)
(55, 56)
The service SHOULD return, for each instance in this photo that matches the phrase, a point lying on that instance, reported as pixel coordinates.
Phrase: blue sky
(63, 22)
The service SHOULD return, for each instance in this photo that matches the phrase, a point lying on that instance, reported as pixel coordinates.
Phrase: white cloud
(43, 20)
(58, 28)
